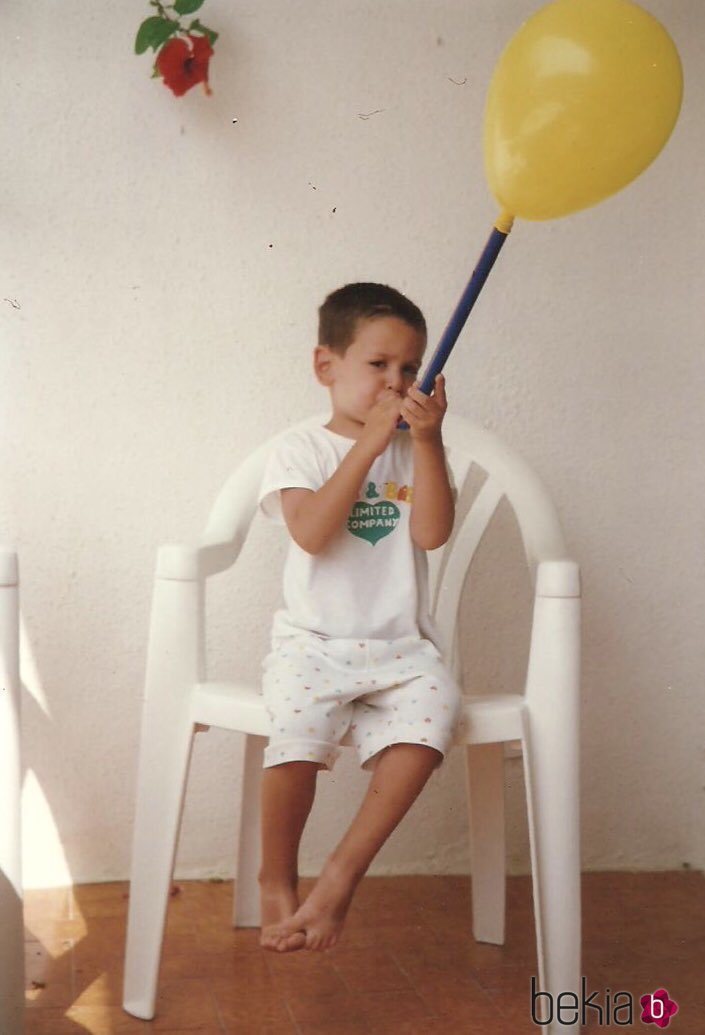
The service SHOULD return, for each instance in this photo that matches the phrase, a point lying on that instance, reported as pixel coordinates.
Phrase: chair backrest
(467, 445)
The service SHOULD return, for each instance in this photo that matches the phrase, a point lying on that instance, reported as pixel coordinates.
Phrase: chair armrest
(176, 643)
(182, 562)
(558, 578)
(553, 672)
(178, 562)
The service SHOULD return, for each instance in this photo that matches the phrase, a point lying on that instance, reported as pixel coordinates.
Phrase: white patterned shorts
(385, 691)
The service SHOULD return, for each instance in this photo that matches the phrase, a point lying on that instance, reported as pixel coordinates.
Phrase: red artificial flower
(183, 64)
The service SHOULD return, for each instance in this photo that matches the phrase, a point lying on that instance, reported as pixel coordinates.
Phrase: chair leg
(550, 771)
(485, 783)
(163, 769)
(246, 904)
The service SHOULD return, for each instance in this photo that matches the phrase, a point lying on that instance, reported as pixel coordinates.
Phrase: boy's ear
(323, 363)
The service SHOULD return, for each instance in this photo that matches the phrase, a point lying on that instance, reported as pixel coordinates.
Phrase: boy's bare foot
(278, 902)
(322, 915)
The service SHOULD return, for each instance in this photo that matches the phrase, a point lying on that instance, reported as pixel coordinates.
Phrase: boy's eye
(409, 371)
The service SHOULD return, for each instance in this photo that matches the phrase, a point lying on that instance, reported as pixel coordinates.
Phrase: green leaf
(187, 6)
(153, 32)
(212, 36)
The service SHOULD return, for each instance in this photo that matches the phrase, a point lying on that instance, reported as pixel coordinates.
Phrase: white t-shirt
(371, 581)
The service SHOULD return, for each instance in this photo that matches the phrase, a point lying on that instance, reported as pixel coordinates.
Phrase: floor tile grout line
(428, 1006)
(72, 969)
(473, 978)
(218, 1014)
(346, 986)
(294, 1022)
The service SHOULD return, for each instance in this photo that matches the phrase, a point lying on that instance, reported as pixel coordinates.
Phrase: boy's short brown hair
(339, 315)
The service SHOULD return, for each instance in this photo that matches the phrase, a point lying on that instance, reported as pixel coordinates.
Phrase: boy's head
(370, 338)
(342, 311)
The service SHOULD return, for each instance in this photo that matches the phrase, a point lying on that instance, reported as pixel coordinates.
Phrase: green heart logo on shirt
(373, 521)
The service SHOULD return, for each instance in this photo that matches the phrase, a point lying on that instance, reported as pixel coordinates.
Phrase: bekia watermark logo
(615, 1008)
(658, 1008)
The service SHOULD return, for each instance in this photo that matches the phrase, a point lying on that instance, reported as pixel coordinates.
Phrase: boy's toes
(286, 936)
(278, 941)
(292, 942)
(289, 927)
(268, 940)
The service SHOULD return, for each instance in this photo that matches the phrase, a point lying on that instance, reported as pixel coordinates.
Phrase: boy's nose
(395, 381)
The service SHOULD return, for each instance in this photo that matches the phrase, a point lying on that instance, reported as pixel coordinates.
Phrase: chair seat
(231, 706)
(487, 718)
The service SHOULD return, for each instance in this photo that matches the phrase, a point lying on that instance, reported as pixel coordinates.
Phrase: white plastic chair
(544, 718)
(11, 916)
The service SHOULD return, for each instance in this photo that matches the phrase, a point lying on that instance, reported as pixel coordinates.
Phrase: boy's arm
(432, 506)
(313, 518)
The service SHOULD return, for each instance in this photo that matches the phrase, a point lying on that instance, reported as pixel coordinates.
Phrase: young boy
(353, 647)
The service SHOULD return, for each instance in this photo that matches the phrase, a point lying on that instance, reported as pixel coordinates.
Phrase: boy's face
(386, 352)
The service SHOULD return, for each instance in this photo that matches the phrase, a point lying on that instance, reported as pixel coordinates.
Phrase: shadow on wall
(53, 982)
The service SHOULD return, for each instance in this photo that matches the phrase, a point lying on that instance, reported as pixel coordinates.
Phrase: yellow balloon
(582, 99)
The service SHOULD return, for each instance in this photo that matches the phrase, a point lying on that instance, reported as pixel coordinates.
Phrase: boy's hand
(424, 413)
(381, 422)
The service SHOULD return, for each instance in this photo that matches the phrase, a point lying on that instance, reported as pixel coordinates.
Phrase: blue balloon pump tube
(457, 321)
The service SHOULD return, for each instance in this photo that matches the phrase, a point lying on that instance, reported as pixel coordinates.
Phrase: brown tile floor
(406, 964)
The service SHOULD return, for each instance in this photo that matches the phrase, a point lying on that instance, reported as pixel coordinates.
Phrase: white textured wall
(161, 269)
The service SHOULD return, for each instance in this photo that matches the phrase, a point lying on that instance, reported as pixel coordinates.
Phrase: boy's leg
(288, 792)
(399, 777)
